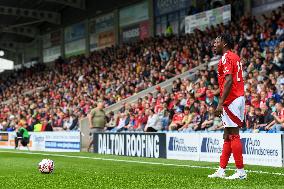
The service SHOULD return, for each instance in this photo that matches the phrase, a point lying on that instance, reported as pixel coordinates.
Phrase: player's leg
(227, 150)
(16, 142)
(235, 120)
(232, 118)
(225, 156)
(25, 142)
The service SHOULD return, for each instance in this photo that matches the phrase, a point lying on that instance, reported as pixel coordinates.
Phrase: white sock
(241, 171)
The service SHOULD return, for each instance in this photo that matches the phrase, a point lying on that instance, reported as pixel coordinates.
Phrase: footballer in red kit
(231, 106)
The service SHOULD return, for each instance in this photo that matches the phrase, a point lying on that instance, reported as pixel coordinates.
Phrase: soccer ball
(46, 166)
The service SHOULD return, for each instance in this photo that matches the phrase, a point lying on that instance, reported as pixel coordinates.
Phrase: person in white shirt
(154, 123)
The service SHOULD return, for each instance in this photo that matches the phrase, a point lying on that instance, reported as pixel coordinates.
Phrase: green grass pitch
(19, 170)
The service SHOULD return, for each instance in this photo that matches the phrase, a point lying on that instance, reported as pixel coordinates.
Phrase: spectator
(97, 121)
(177, 120)
(203, 117)
(154, 123)
(194, 123)
(277, 123)
(186, 119)
(111, 121)
(131, 124)
(259, 120)
(250, 118)
(210, 119)
(141, 121)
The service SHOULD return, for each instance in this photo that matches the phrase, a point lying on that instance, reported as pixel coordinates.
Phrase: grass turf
(20, 171)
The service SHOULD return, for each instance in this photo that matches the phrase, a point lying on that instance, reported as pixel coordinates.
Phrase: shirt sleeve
(226, 64)
(93, 113)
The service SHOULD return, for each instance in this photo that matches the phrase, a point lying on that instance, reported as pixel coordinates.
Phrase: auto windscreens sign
(131, 144)
(211, 146)
(258, 149)
(183, 146)
(262, 149)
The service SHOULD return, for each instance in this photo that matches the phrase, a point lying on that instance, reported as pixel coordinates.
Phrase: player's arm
(90, 116)
(227, 88)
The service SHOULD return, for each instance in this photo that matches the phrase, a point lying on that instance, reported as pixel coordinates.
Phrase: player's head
(223, 42)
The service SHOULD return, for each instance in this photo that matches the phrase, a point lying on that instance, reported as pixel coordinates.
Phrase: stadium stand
(113, 74)
(190, 105)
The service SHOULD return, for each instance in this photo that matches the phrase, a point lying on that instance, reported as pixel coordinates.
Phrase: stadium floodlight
(6, 64)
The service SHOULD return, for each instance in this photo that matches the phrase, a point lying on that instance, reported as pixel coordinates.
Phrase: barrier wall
(45, 141)
(258, 149)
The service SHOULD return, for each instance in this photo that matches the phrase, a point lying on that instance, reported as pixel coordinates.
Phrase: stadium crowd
(73, 86)
(191, 103)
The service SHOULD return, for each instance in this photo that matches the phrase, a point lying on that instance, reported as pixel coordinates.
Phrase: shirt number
(240, 69)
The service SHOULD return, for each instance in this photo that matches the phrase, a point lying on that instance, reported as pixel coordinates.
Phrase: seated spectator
(210, 119)
(177, 120)
(250, 118)
(165, 119)
(67, 122)
(38, 126)
(259, 119)
(210, 100)
(217, 124)
(203, 116)
(131, 124)
(123, 121)
(186, 119)
(196, 120)
(111, 121)
(140, 121)
(154, 123)
(278, 123)
(75, 122)
(46, 125)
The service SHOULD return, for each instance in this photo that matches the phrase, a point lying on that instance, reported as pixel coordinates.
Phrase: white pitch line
(139, 162)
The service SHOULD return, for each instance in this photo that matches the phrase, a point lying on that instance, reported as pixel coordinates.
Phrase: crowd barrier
(45, 141)
(258, 149)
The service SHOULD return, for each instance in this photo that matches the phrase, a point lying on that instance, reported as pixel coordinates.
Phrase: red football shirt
(230, 63)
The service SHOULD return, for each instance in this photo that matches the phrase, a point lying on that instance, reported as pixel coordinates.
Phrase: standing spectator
(97, 121)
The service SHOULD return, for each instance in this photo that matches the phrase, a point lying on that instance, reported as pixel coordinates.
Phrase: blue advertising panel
(75, 32)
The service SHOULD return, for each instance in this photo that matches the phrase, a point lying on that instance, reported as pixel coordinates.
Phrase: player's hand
(219, 110)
